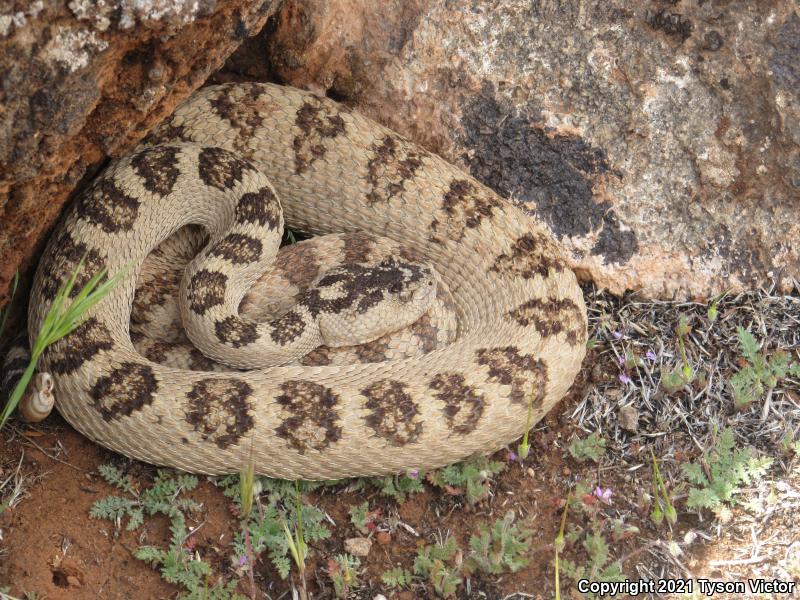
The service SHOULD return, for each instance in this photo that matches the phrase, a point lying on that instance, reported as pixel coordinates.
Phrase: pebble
(359, 546)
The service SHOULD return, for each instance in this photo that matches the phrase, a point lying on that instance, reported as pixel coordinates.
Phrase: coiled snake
(226, 160)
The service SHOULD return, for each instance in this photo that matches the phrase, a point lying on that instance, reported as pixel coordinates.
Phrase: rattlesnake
(220, 161)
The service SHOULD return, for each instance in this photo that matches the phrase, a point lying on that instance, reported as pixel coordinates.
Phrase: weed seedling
(398, 577)
(60, 321)
(471, 478)
(720, 473)
(760, 372)
(343, 571)
(592, 447)
(435, 564)
(661, 497)
(503, 548)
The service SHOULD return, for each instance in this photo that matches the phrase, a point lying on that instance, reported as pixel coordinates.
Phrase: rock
(660, 142)
(358, 546)
(628, 417)
(83, 81)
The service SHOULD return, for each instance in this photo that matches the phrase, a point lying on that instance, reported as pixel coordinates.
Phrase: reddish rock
(659, 141)
(83, 81)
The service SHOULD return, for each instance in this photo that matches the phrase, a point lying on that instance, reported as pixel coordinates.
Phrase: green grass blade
(16, 395)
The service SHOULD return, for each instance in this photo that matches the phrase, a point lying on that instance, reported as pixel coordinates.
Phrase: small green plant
(395, 486)
(558, 545)
(713, 308)
(435, 564)
(683, 374)
(719, 475)
(471, 478)
(600, 566)
(524, 447)
(343, 571)
(760, 372)
(662, 497)
(360, 517)
(592, 447)
(501, 549)
(60, 321)
(398, 577)
(176, 563)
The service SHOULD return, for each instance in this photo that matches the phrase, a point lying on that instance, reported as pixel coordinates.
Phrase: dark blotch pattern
(394, 162)
(312, 419)
(158, 167)
(220, 410)
(260, 207)
(220, 169)
(523, 372)
(463, 404)
(71, 352)
(357, 247)
(532, 254)
(318, 120)
(464, 206)
(393, 414)
(66, 254)
(238, 248)
(126, 389)
(242, 112)
(551, 316)
(108, 207)
(206, 290)
(298, 264)
(366, 285)
(287, 328)
(236, 332)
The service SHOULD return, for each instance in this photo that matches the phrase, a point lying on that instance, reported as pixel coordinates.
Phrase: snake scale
(227, 160)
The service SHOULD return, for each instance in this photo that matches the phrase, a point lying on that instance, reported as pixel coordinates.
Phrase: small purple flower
(512, 456)
(651, 356)
(242, 561)
(413, 474)
(625, 379)
(621, 360)
(618, 335)
(603, 494)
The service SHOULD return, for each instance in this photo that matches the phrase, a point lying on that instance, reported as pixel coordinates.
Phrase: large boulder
(660, 141)
(85, 80)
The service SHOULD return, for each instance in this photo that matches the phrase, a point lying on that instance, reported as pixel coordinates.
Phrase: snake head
(377, 300)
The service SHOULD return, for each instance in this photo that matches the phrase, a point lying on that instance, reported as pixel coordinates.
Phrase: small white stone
(359, 546)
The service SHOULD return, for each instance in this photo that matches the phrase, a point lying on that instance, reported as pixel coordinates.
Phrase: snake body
(223, 161)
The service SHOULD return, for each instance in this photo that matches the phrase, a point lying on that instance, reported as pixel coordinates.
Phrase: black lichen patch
(72, 351)
(259, 207)
(313, 418)
(463, 404)
(672, 23)
(236, 332)
(158, 168)
(551, 316)
(129, 388)
(238, 248)
(220, 410)
(525, 374)
(287, 328)
(108, 207)
(531, 254)
(206, 290)
(783, 62)
(318, 120)
(220, 169)
(464, 206)
(66, 254)
(515, 155)
(394, 162)
(615, 244)
(392, 412)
